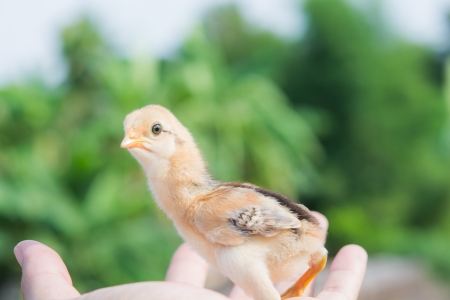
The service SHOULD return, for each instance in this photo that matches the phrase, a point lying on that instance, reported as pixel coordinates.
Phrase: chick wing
(231, 214)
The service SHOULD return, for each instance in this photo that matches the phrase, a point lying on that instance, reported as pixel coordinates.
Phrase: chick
(254, 236)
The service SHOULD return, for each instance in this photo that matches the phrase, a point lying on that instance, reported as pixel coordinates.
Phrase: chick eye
(156, 129)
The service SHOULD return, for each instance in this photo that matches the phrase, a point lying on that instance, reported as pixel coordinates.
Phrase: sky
(29, 29)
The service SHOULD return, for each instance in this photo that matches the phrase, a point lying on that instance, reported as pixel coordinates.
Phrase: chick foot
(315, 266)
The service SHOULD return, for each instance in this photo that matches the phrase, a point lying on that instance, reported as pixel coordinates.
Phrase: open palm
(45, 276)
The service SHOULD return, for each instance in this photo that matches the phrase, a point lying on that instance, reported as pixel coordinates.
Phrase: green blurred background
(348, 119)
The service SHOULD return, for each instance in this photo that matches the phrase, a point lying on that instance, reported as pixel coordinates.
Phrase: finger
(284, 285)
(153, 291)
(44, 274)
(187, 266)
(238, 294)
(323, 221)
(346, 274)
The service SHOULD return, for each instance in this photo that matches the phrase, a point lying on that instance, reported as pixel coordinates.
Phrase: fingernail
(19, 255)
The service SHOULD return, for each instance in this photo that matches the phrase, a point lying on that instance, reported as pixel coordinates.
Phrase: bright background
(343, 106)
(29, 30)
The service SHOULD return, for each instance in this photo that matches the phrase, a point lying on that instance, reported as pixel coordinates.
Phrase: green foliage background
(348, 119)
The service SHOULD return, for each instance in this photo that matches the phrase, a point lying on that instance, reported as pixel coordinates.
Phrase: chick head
(153, 135)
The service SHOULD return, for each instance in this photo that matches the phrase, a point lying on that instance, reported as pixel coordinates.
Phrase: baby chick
(254, 236)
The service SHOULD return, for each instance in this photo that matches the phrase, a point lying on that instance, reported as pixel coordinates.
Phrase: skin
(45, 277)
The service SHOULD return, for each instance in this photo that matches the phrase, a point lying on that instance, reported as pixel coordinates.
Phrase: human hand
(45, 277)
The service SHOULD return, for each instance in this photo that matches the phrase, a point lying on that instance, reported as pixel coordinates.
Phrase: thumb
(44, 274)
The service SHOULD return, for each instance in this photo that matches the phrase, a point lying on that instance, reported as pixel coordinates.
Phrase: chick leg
(316, 264)
(244, 265)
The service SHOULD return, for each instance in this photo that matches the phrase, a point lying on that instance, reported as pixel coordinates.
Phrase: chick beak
(130, 141)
